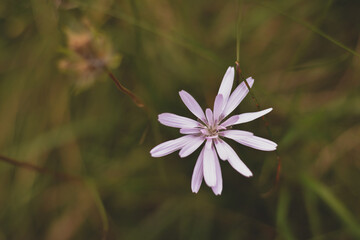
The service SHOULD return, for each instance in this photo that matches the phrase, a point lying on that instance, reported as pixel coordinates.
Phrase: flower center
(211, 131)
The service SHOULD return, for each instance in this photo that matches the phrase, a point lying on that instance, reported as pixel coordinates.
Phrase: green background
(304, 57)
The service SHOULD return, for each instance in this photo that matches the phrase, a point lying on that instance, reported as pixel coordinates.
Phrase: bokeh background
(59, 110)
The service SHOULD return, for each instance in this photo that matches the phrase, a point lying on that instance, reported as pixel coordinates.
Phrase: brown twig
(41, 170)
(278, 169)
(121, 87)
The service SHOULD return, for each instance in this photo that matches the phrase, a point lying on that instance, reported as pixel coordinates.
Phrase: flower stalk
(266, 123)
(123, 89)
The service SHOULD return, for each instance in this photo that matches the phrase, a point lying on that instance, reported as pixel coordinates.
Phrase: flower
(211, 127)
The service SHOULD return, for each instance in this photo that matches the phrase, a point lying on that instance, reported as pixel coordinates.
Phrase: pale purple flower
(211, 128)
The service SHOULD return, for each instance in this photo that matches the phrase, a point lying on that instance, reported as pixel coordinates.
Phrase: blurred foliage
(303, 56)
(88, 54)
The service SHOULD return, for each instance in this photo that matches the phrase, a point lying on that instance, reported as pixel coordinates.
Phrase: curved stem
(238, 76)
(122, 88)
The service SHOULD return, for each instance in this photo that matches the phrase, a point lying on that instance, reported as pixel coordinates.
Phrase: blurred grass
(303, 56)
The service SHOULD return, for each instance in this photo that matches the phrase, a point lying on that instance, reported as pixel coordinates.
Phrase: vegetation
(74, 146)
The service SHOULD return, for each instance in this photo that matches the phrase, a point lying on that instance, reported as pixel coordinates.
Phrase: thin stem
(238, 30)
(122, 88)
(238, 76)
(41, 170)
(140, 104)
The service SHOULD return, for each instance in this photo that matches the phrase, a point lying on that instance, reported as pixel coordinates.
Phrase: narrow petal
(170, 146)
(173, 120)
(191, 146)
(235, 133)
(237, 96)
(236, 162)
(230, 121)
(245, 117)
(218, 107)
(192, 105)
(197, 175)
(252, 141)
(209, 164)
(190, 130)
(227, 83)
(209, 116)
(221, 149)
(217, 189)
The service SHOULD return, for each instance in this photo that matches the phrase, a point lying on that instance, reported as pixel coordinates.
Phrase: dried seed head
(88, 54)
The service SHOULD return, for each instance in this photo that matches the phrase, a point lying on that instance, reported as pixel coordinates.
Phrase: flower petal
(192, 105)
(190, 130)
(191, 146)
(221, 149)
(236, 162)
(230, 121)
(173, 120)
(209, 116)
(245, 117)
(226, 84)
(218, 107)
(251, 141)
(209, 164)
(217, 189)
(234, 133)
(197, 175)
(170, 146)
(237, 96)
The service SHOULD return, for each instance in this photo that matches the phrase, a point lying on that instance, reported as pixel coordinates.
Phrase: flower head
(212, 127)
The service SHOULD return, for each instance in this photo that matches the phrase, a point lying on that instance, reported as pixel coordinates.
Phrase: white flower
(211, 129)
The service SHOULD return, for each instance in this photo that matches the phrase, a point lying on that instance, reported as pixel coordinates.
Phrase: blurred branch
(70, 178)
(149, 112)
(121, 87)
(41, 170)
